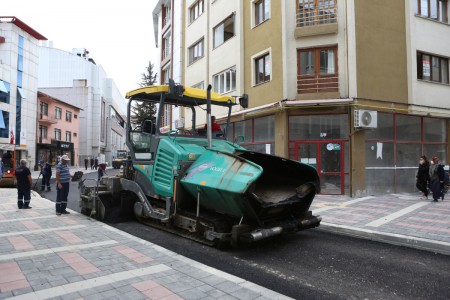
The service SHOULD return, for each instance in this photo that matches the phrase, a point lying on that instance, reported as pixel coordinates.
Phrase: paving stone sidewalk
(44, 256)
(402, 219)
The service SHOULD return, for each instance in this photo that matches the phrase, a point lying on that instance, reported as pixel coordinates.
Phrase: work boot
(27, 207)
(65, 212)
(42, 189)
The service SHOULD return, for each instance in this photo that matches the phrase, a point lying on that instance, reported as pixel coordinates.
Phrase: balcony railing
(318, 83)
(316, 12)
(50, 119)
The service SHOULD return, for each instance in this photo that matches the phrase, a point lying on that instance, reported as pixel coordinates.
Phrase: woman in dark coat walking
(423, 176)
(437, 176)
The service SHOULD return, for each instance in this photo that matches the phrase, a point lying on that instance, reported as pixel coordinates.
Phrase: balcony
(316, 17)
(317, 83)
(47, 119)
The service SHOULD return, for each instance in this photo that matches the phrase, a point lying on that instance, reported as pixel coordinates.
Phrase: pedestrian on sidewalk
(423, 176)
(85, 163)
(62, 182)
(101, 171)
(46, 172)
(96, 163)
(437, 176)
(92, 163)
(24, 181)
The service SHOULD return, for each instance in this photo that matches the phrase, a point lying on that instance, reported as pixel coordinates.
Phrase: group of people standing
(92, 161)
(431, 177)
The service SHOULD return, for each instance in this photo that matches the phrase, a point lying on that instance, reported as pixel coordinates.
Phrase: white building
(76, 78)
(18, 87)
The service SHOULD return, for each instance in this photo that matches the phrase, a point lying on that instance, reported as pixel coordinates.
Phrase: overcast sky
(117, 33)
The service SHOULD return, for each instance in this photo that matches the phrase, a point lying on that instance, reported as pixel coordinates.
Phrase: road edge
(390, 238)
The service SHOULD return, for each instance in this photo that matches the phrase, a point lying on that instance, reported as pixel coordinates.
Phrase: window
(196, 10)
(75, 116)
(4, 91)
(42, 131)
(57, 134)
(4, 124)
(68, 136)
(75, 134)
(165, 75)
(433, 9)
(68, 116)
(255, 134)
(44, 109)
(432, 68)
(166, 45)
(317, 70)
(200, 85)
(262, 11)
(262, 69)
(58, 113)
(316, 12)
(225, 82)
(166, 17)
(224, 31)
(196, 51)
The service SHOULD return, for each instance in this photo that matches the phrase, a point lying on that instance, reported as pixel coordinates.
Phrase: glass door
(328, 159)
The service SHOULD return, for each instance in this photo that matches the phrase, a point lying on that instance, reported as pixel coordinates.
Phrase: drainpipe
(208, 116)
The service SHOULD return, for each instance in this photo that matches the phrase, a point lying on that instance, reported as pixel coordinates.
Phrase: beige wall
(381, 50)
(265, 36)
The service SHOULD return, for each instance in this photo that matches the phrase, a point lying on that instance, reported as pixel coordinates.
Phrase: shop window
(432, 68)
(196, 51)
(317, 70)
(224, 31)
(433, 9)
(263, 69)
(408, 128)
(243, 131)
(256, 134)
(57, 134)
(264, 129)
(385, 128)
(44, 109)
(196, 10)
(58, 113)
(262, 11)
(434, 130)
(316, 12)
(225, 82)
(323, 127)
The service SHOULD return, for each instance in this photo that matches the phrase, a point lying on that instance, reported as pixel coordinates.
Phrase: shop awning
(2, 121)
(3, 87)
(22, 93)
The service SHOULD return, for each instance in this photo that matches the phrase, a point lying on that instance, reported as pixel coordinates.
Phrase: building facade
(357, 89)
(18, 87)
(78, 80)
(57, 134)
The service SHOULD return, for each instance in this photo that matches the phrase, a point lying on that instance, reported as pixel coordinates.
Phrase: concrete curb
(390, 238)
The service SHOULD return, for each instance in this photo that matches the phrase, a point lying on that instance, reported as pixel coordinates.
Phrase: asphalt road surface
(314, 264)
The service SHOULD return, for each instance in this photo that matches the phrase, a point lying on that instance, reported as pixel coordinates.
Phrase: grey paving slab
(192, 294)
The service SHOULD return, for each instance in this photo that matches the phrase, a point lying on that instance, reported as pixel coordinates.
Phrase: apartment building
(357, 89)
(18, 87)
(58, 125)
(76, 78)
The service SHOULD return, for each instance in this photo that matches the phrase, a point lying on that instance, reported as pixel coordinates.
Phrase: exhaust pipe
(309, 223)
(261, 234)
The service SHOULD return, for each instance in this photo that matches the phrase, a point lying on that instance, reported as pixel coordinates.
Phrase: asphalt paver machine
(198, 183)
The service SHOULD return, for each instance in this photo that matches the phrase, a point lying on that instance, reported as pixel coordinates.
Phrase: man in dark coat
(24, 181)
(437, 176)
(423, 176)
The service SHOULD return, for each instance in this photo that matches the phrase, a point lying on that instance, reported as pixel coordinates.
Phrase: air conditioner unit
(365, 118)
(179, 123)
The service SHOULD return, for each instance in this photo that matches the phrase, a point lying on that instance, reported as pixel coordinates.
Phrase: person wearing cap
(24, 181)
(437, 176)
(62, 185)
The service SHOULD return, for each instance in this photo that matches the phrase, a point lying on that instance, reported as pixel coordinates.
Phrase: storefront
(52, 152)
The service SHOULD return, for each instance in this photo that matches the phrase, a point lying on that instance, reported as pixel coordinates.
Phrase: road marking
(396, 215)
(41, 230)
(12, 256)
(92, 283)
(343, 204)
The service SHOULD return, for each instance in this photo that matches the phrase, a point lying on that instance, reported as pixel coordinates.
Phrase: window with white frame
(196, 51)
(68, 136)
(165, 74)
(166, 45)
(432, 9)
(262, 11)
(57, 134)
(200, 85)
(223, 31)
(263, 68)
(68, 116)
(225, 81)
(196, 10)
